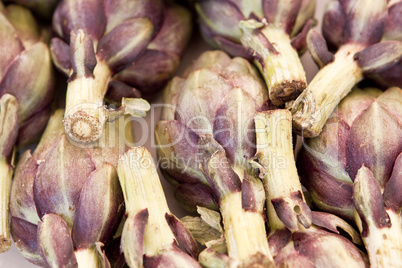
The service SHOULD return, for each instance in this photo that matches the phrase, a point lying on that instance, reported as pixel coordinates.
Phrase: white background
(13, 258)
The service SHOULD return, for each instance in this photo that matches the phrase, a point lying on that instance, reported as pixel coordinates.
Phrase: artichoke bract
(353, 29)
(42, 8)
(25, 70)
(151, 234)
(270, 32)
(9, 130)
(390, 76)
(298, 236)
(119, 48)
(66, 200)
(203, 142)
(354, 165)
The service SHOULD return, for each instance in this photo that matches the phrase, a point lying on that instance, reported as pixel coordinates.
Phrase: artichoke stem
(85, 114)
(384, 245)
(277, 60)
(331, 84)
(142, 189)
(280, 178)
(244, 232)
(6, 174)
(88, 258)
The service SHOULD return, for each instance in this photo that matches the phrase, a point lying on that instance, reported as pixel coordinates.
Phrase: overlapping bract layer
(354, 165)
(66, 200)
(217, 96)
(204, 140)
(25, 70)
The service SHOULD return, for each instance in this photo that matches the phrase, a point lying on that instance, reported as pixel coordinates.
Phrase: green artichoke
(270, 32)
(203, 142)
(151, 234)
(115, 48)
(354, 29)
(354, 165)
(66, 201)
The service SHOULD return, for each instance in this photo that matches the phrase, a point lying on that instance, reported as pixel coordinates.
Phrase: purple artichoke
(354, 29)
(270, 32)
(204, 140)
(25, 70)
(66, 201)
(297, 236)
(151, 234)
(354, 165)
(114, 48)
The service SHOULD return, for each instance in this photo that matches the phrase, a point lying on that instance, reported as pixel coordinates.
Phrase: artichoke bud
(353, 158)
(151, 233)
(62, 194)
(128, 38)
(354, 29)
(266, 31)
(124, 48)
(204, 145)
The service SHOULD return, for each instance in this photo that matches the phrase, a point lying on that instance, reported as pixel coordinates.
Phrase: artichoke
(203, 142)
(354, 165)
(42, 8)
(8, 135)
(66, 201)
(151, 233)
(298, 236)
(270, 32)
(354, 29)
(25, 70)
(119, 48)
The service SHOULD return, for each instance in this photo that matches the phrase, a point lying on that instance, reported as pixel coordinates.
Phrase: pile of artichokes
(238, 160)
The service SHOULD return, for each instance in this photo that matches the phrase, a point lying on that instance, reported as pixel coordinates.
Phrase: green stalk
(6, 174)
(244, 229)
(142, 190)
(277, 60)
(245, 233)
(9, 124)
(85, 113)
(280, 178)
(331, 84)
(88, 258)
